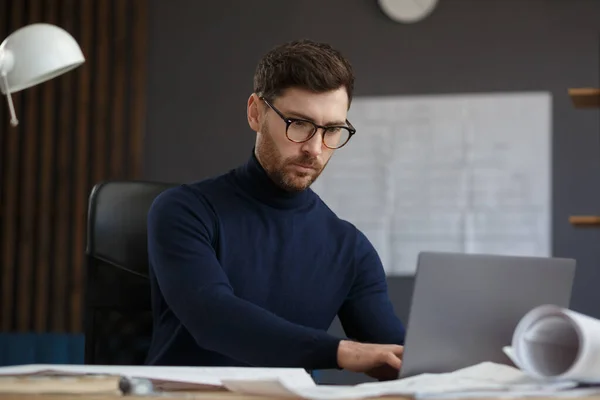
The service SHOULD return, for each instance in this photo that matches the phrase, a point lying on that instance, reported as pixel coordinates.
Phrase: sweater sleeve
(367, 314)
(181, 228)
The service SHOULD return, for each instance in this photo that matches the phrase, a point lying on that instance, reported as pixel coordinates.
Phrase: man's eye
(301, 124)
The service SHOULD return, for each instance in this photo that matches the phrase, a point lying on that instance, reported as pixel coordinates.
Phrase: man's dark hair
(305, 64)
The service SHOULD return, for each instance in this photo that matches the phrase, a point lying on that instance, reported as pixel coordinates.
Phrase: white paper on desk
(513, 394)
(485, 377)
(552, 342)
(178, 377)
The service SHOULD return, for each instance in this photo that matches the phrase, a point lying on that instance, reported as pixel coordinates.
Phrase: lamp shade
(36, 53)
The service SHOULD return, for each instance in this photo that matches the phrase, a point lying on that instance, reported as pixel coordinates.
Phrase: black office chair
(118, 320)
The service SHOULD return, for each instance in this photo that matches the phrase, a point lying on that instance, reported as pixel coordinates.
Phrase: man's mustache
(306, 162)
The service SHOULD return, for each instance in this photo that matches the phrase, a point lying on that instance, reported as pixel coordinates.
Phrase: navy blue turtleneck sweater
(246, 274)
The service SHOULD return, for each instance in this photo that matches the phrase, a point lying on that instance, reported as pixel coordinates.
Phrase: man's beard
(279, 169)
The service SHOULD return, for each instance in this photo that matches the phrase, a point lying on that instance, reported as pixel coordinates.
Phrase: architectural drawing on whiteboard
(460, 173)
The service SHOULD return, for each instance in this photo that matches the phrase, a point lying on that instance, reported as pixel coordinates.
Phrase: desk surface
(202, 395)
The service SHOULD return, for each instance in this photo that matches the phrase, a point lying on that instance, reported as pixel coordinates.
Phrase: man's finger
(397, 350)
(392, 360)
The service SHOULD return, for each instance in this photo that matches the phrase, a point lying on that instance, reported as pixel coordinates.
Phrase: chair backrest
(118, 319)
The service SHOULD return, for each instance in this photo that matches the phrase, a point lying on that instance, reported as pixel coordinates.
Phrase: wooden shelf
(585, 220)
(585, 97)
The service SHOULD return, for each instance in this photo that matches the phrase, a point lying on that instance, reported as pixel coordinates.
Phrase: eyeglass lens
(300, 131)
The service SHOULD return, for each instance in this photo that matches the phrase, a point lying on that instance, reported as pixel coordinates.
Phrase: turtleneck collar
(254, 180)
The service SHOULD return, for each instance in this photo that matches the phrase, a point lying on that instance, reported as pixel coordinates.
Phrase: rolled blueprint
(552, 342)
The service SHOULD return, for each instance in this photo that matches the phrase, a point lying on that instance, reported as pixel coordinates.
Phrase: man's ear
(253, 112)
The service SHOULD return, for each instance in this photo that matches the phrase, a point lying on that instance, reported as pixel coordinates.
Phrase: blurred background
(162, 97)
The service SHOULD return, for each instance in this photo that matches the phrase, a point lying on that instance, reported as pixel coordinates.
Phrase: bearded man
(250, 268)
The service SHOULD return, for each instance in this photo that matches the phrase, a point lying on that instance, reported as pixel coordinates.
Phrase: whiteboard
(462, 173)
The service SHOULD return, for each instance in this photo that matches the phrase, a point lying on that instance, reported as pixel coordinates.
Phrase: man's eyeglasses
(301, 130)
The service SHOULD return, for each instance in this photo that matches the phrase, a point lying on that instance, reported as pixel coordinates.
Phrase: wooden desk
(201, 395)
(205, 395)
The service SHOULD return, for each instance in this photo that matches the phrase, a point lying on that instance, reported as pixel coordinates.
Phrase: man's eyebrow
(293, 114)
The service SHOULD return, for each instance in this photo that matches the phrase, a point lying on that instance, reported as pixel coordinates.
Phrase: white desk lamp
(34, 54)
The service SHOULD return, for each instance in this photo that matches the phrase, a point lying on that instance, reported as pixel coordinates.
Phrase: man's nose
(314, 146)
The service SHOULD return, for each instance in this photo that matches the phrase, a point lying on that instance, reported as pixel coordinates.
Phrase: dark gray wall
(203, 54)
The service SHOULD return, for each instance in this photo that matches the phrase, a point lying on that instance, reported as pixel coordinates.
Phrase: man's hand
(380, 361)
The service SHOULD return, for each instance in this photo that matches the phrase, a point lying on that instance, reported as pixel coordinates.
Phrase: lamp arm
(6, 65)
(13, 116)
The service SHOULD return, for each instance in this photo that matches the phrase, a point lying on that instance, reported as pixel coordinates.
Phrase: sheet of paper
(485, 377)
(461, 173)
(203, 376)
(557, 343)
(515, 394)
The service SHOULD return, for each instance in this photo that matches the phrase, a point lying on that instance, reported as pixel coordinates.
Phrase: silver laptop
(465, 307)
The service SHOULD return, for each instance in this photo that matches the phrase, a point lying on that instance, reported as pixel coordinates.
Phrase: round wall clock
(407, 11)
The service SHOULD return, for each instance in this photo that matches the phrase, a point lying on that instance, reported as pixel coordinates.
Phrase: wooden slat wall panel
(74, 131)
(45, 185)
(13, 17)
(82, 138)
(28, 139)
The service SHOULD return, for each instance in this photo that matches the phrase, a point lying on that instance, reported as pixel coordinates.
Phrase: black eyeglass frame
(289, 121)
